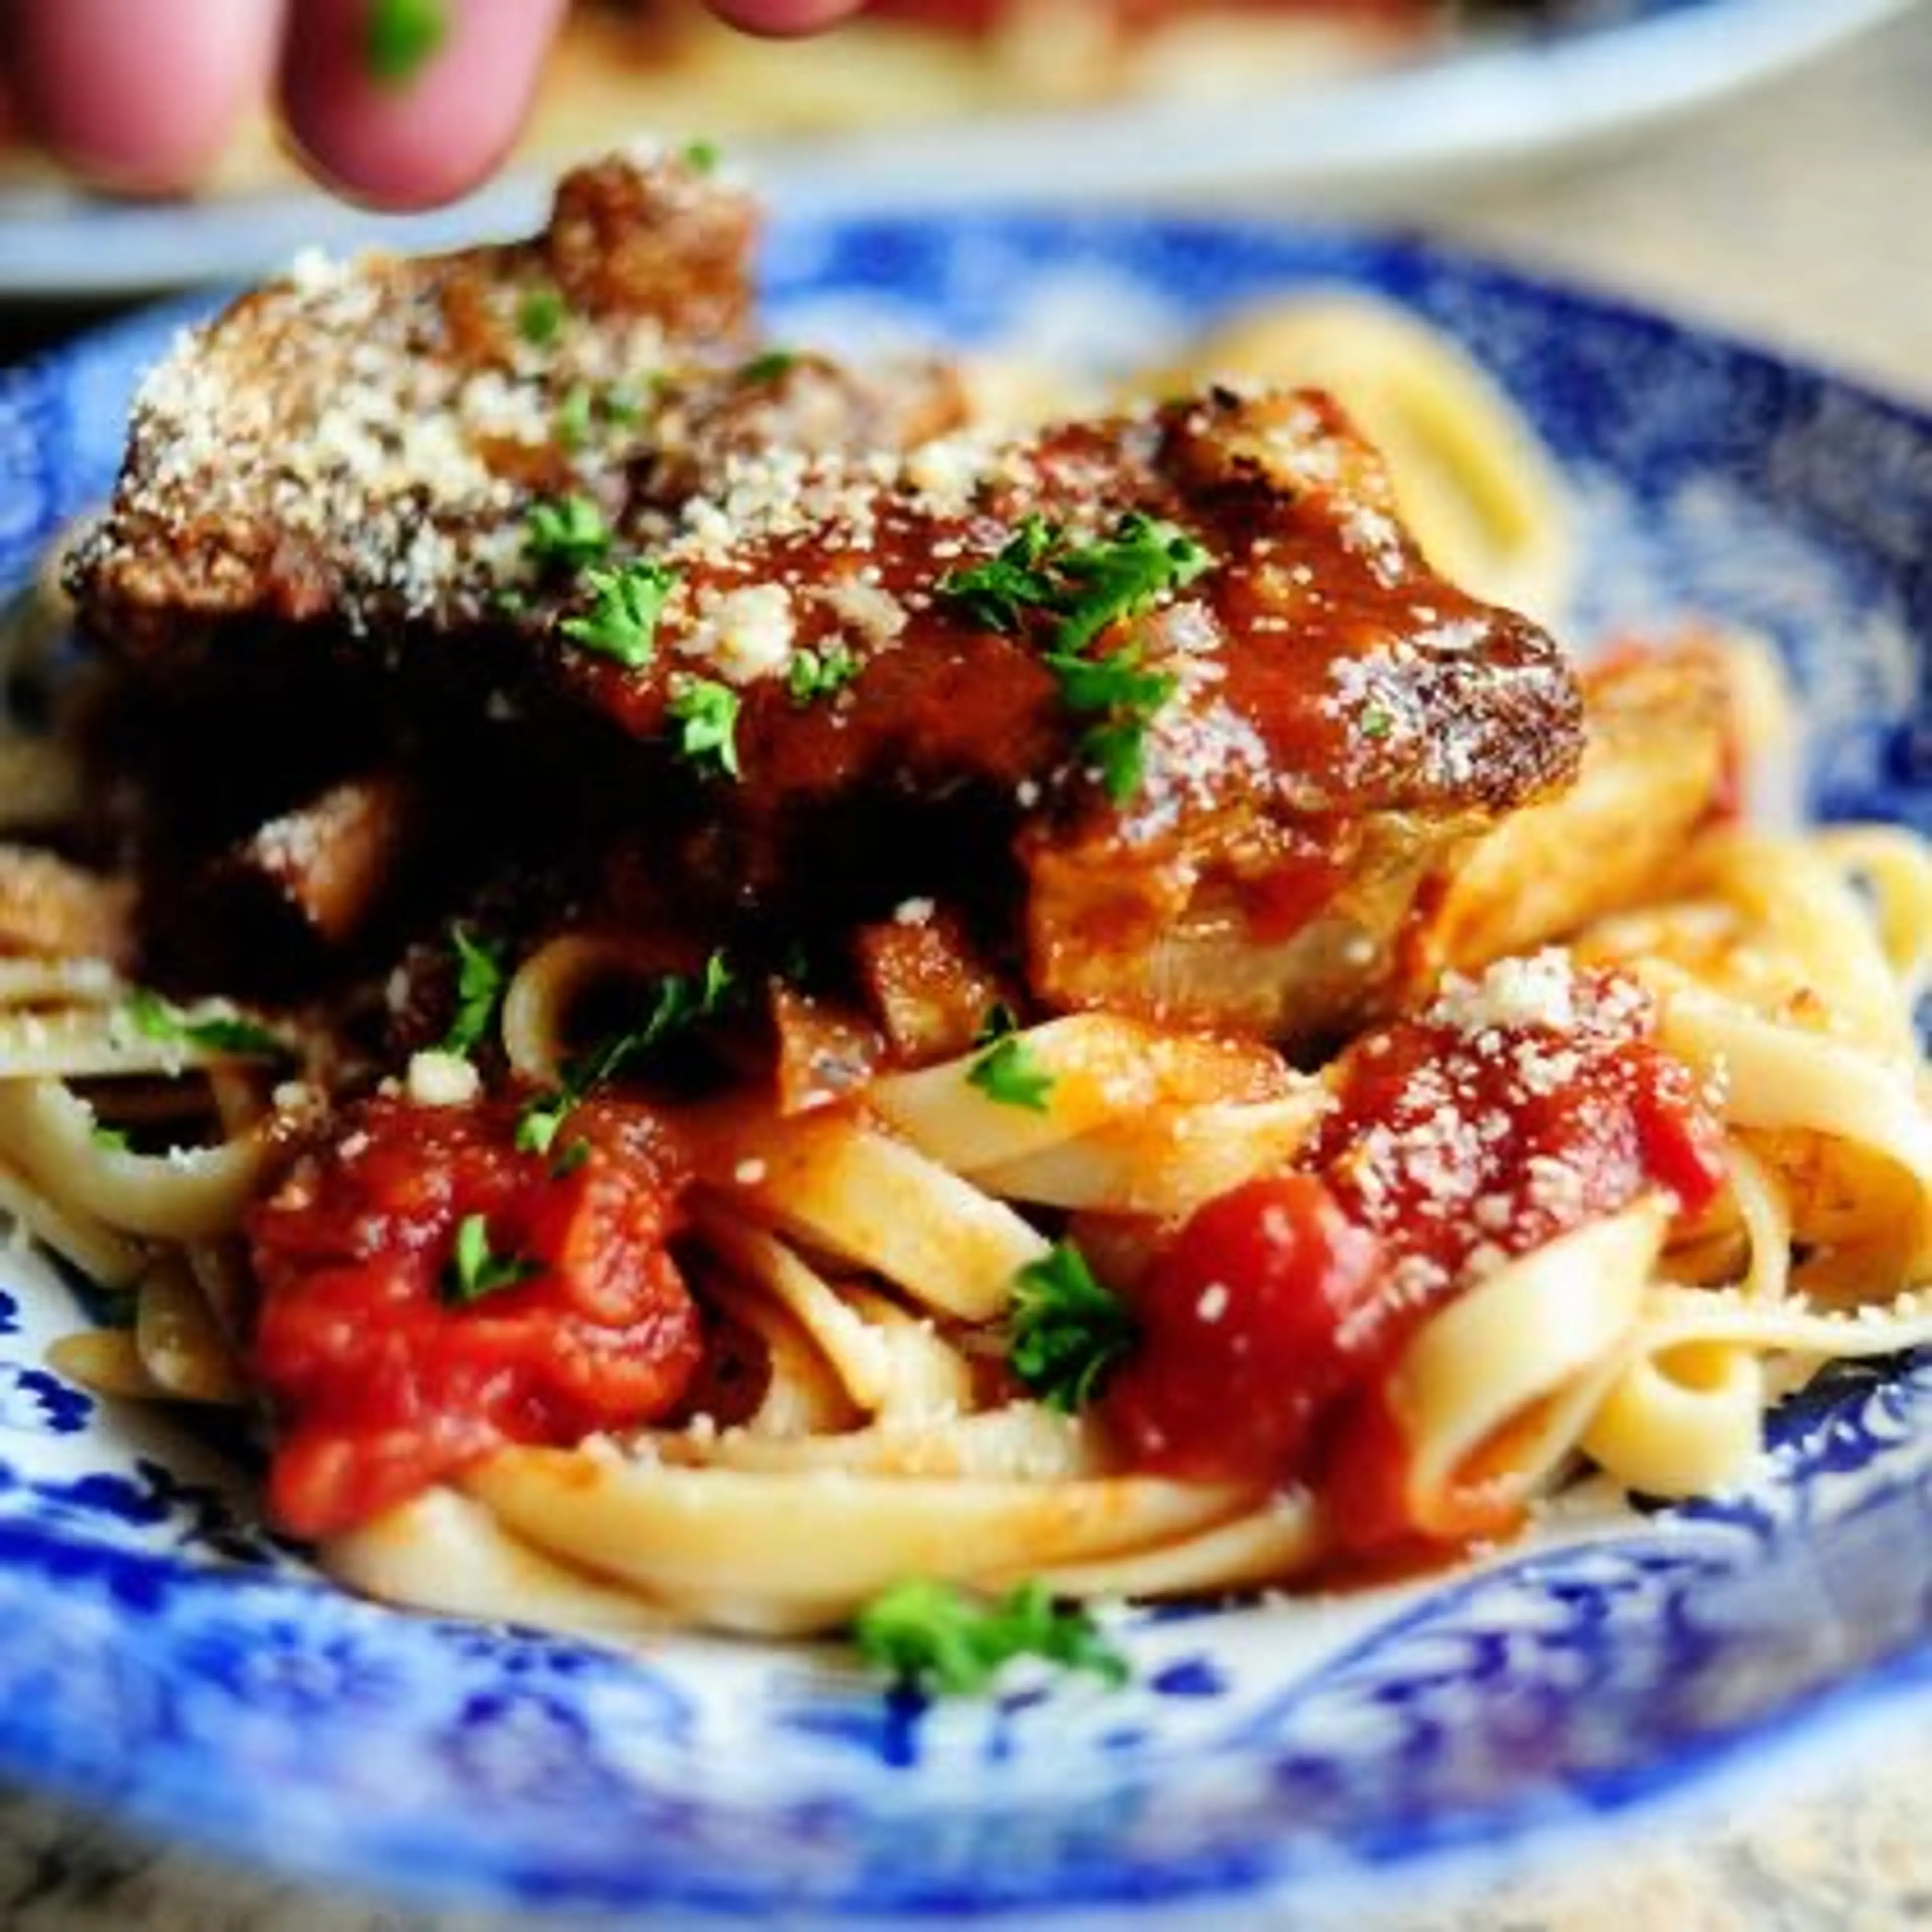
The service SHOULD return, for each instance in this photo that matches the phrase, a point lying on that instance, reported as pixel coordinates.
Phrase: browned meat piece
(331, 860)
(922, 977)
(1168, 703)
(1319, 718)
(360, 445)
(1660, 763)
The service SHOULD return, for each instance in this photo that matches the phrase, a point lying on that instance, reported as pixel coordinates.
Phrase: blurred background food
(670, 65)
(915, 60)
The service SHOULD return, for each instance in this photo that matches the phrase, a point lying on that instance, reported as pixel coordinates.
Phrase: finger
(411, 132)
(780, 18)
(138, 95)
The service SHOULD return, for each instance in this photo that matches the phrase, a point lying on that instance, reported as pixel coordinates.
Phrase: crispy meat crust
(358, 445)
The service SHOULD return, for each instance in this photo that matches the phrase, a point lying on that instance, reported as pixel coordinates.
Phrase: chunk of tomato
(1267, 1307)
(381, 1379)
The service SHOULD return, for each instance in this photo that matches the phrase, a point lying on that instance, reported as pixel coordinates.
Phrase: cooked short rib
(1205, 795)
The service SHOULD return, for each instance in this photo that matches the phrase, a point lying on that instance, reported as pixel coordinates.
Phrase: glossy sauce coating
(1323, 667)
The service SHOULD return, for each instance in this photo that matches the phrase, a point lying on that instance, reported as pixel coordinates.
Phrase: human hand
(143, 93)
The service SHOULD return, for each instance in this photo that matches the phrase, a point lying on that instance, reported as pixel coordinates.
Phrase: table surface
(1796, 213)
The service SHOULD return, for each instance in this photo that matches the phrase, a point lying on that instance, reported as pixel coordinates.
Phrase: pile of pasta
(873, 1249)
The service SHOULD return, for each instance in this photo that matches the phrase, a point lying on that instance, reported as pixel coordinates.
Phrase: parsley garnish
(998, 1022)
(473, 1271)
(540, 316)
(571, 533)
(767, 368)
(706, 712)
(678, 1002)
(627, 600)
(109, 1140)
(574, 421)
(1114, 683)
(481, 978)
(1127, 698)
(819, 674)
(934, 1637)
(159, 1019)
(622, 406)
(701, 156)
(398, 36)
(1006, 1072)
(1376, 722)
(1066, 1331)
(1087, 588)
(1118, 752)
(571, 1160)
(995, 593)
(1119, 577)
(538, 1123)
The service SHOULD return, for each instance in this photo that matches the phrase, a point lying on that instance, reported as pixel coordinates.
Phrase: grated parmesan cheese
(439, 1079)
(744, 635)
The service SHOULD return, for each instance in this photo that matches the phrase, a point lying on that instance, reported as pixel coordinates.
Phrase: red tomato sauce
(1460, 1140)
(383, 1378)
(1456, 1142)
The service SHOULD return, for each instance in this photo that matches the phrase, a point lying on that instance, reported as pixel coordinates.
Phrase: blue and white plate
(163, 1659)
(1590, 71)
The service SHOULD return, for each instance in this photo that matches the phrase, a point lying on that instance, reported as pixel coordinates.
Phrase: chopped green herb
(575, 421)
(473, 1271)
(934, 1637)
(706, 713)
(540, 1119)
(399, 36)
(622, 405)
(1066, 1331)
(767, 368)
(481, 979)
(1087, 588)
(1377, 723)
(996, 593)
(1118, 752)
(1128, 699)
(702, 157)
(1123, 575)
(1007, 1073)
(540, 316)
(159, 1019)
(626, 602)
(678, 1002)
(1114, 683)
(571, 1160)
(109, 1140)
(819, 674)
(570, 533)
(998, 1022)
